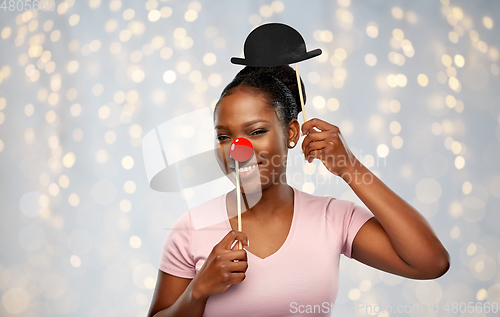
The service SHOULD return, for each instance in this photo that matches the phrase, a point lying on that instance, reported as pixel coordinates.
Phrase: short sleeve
(176, 257)
(346, 217)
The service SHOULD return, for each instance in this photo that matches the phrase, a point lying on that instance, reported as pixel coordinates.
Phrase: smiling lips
(247, 169)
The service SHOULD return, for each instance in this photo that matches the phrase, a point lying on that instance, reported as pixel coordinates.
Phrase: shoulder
(315, 203)
(333, 209)
(192, 216)
(191, 221)
(209, 213)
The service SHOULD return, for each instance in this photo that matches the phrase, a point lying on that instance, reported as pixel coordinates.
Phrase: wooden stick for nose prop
(241, 150)
(238, 199)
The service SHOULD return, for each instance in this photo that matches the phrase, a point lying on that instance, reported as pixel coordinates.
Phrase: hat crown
(274, 44)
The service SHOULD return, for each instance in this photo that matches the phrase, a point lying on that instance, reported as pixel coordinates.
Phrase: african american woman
(297, 238)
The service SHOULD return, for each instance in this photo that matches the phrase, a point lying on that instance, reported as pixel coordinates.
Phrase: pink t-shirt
(304, 271)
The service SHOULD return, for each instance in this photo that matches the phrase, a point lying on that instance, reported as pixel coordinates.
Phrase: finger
(230, 256)
(228, 239)
(317, 145)
(237, 267)
(236, 255)
(318, 123)
(243, 238)
(232, 236)
(314, 154)
(240, 255)
(235, 245)
(314, 150)
(313, 137)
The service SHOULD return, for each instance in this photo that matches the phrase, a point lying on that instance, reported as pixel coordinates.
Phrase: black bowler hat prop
(276, 44)
(241, 150)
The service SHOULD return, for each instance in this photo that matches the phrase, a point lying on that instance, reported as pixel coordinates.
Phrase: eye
(256, 132)
(260, 131)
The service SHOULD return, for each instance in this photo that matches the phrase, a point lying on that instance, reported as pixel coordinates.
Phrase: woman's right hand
(220, 269)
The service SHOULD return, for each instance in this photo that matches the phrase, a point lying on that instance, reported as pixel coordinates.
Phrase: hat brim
(276, 61)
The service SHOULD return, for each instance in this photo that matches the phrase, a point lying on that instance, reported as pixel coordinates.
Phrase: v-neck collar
(289, 237)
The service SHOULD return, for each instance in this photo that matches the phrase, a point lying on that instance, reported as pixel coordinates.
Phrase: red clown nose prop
(241, 149)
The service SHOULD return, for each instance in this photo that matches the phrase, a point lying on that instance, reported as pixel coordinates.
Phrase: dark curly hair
(278, 86)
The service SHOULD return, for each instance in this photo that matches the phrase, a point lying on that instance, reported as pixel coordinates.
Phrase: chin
(249, 186)
(254, 189)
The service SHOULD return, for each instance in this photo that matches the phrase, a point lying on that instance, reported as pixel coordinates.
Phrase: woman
(292, 265)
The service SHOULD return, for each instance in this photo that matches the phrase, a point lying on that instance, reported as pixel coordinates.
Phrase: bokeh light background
(413, 86)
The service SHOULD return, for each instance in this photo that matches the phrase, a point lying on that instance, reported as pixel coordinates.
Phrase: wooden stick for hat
(238, 199)
(300, 91)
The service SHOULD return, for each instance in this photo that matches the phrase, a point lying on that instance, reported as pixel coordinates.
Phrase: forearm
(188, 304)
(411, 235)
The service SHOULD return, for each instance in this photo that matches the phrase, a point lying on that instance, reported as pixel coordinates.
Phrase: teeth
(246, 169)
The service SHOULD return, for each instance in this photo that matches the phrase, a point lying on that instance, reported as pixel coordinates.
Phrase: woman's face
(244, 114)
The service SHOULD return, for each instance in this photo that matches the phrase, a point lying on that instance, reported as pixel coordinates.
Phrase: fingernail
(248, 242)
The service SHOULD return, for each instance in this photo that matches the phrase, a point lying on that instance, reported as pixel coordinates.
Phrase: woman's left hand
(328, 146)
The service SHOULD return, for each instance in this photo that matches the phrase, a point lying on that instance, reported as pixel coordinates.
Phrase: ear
(293, 131)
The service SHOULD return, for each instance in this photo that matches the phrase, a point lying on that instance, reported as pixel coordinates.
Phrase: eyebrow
(247, 124)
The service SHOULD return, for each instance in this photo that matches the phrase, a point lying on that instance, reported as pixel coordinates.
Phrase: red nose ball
(241, 149)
